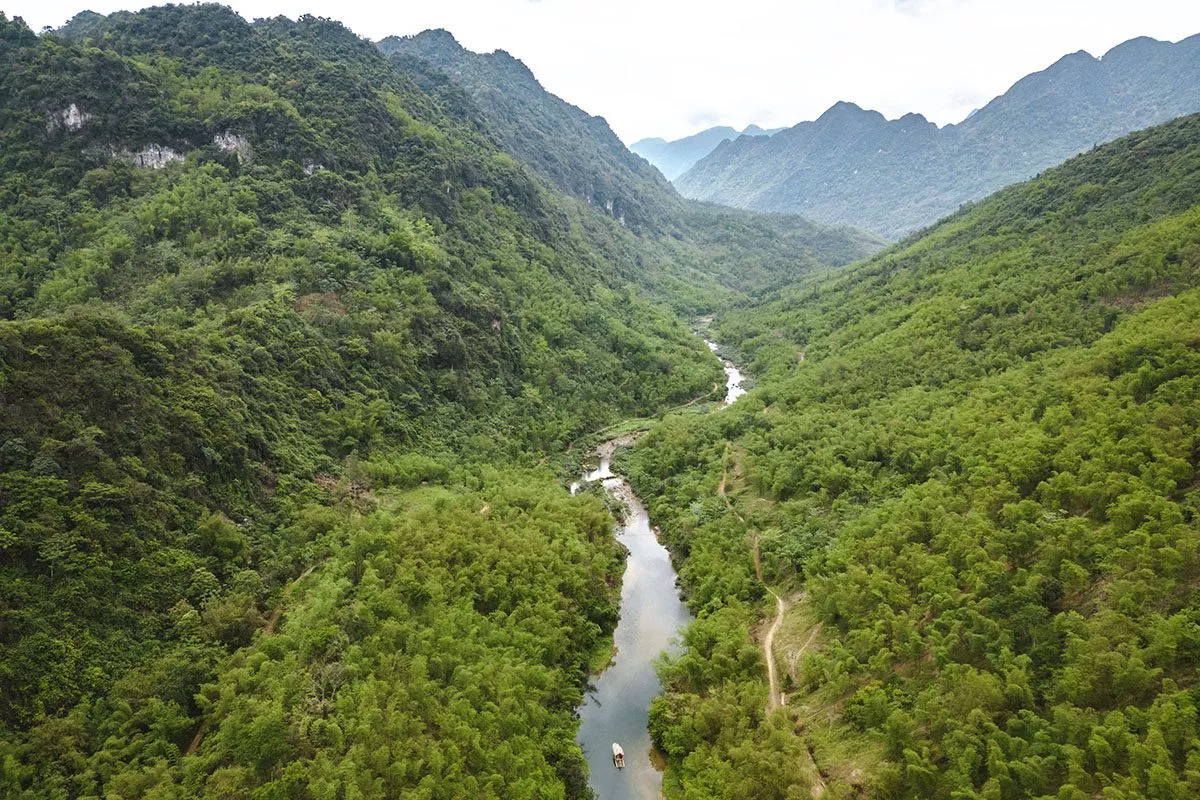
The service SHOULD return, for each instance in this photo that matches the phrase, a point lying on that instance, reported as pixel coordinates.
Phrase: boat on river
(615, 713)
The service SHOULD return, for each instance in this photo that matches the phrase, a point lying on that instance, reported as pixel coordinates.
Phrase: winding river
(617, 708)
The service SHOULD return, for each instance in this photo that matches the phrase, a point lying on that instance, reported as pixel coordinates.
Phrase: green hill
(975, 455)
(695, 255)
(258, 286)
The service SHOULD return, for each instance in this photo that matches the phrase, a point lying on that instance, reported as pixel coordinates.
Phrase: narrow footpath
(775, 698)
(781, 606)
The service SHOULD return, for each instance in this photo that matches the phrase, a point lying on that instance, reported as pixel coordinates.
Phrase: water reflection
(618, 707)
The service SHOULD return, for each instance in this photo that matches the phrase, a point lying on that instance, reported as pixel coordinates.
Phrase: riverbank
(617, 706)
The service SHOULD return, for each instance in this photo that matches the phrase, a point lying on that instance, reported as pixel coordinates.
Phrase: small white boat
(618, 756)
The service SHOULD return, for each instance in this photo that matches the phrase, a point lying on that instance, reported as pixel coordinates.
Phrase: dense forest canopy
(257, 284)
(299, 336)
(972, 460)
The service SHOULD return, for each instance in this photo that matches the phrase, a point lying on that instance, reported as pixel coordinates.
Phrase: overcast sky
(673, 67)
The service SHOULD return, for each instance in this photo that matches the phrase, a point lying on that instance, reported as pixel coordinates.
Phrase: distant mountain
(677, 157)
(853, 166)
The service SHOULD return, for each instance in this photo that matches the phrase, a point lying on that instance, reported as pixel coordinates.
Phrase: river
(733, 375)
(617, 708)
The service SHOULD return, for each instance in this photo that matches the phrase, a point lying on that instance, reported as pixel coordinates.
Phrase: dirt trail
(758, 564)
(768, 645)
(725, 482)
(781, 605)
(776, 698)
(274, 620)
(812, 637)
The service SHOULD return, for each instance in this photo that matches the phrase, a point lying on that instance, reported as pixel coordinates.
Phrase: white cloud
(671, 67)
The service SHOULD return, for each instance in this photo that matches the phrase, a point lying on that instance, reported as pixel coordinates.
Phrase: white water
(733, 376)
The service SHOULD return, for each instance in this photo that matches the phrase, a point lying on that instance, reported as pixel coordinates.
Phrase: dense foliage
(693, 255)
(976, 454)
(251, 275)
(432, 652)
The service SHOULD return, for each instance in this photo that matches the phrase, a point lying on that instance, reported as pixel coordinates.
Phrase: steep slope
(676, 157)
(693, 255)
(575, 150)
(282, 340)
(853, 167)
(977, 452)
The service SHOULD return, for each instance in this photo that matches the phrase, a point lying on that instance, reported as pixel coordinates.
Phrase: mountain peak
(842, 107)
(438, 35)
(1078, 58)
(1135, 48)
(844, 111)
(852, 167)
(758, 130)
(429, 43)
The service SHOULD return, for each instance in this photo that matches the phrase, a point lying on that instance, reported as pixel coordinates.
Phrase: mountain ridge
(581, 155)
(673, 158)
(872, 174)
(595, 165)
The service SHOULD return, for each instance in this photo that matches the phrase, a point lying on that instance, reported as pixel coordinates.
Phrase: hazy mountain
(853, 166)
(676, 157)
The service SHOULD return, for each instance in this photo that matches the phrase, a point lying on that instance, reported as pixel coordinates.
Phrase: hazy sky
(672, 67)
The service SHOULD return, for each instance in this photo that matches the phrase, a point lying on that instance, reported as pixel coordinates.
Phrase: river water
(617, 709)
(733, 375)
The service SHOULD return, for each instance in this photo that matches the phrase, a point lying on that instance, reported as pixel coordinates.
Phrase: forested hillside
(971, 466)
(298, 340)
(285, 342)
(573, 148)
(695, 255)
(854, 167)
